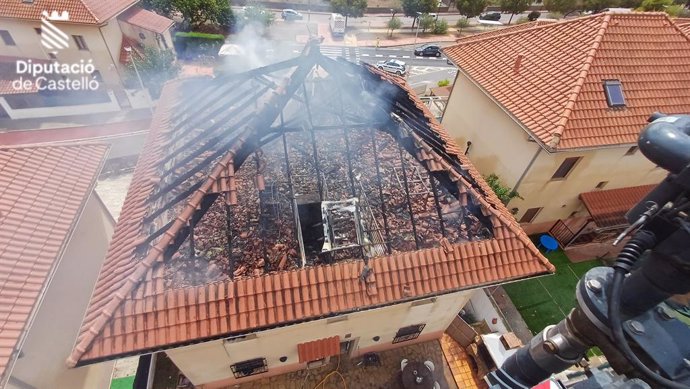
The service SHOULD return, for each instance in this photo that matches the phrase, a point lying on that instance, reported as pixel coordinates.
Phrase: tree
(534, 15)
(414, 8)
(257, 14)
(462, 23)
(154, 66)
(514, 7)
(471, 8)
(504, 193)
(196, 13)
(561, 6)
(440, 27)
(349, 8)
(161, 7)
(655, 5)
(599, 5)
(393, 24)
(677, 11)
(426, 22)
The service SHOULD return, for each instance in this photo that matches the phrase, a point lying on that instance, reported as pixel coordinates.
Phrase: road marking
(393, 56)
(379, 55)
(364, 55)
(406, 56)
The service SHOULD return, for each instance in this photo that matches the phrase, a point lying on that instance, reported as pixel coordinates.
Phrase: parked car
(428, 51)
(495, 16)
(393, 66)
(291, 14)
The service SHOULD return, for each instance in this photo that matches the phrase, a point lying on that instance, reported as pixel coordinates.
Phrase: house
(95, 33)
(555, 110)
(295, 212)
(54, 232)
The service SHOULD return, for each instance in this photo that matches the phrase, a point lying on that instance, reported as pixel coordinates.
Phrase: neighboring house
(54, 232)
(97, 31)
(290, 214)
(556, 110)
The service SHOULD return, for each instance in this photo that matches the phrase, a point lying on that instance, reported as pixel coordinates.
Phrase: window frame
(570, 170)
(609, 99)
(601, 185)
(7, 38)
(242, 369)
(410, 332)
(632, 150)
(531, 219)
(81, 42)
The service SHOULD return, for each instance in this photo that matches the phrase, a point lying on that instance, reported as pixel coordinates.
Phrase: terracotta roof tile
(550, 78)
(35, 223)
(147, 20)
(608, 207)
(80, 11)
(280, 297)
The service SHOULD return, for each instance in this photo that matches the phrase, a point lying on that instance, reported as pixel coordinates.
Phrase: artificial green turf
(122, 383)
(546, 300)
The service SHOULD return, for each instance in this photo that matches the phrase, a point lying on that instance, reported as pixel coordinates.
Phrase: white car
(393, 66)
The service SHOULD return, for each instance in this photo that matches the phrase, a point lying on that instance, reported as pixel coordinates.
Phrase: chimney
(518, 62)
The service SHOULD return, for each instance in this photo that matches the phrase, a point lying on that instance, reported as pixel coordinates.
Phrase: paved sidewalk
(510, 314)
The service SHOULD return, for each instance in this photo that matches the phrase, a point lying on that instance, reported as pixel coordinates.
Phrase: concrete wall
(501, 146)
(57, 321)
(482, 308)
(209, 363)
(67, 110)
(559, 198)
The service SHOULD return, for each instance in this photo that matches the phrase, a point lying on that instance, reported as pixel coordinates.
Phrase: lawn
(547, 300)
(122, 383)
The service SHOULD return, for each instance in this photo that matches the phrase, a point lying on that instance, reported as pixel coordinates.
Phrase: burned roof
(300, 190)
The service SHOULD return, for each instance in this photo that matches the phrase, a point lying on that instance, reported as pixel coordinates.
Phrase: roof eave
(84, 362)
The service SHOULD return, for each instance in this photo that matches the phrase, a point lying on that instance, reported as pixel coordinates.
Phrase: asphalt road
(372, 55)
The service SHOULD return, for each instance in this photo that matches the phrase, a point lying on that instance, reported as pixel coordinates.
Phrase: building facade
(558, 120)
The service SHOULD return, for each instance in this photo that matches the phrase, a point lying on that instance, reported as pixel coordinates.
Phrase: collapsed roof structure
(296, 191)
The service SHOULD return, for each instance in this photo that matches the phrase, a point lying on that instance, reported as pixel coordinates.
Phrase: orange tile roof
(42, 192)
(608, 207)
(318, 349)
(550, 77)
(132, 310)
(147, 20)
(80, 11)
(504, 30)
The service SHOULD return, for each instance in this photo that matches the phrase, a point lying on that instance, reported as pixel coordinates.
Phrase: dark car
(291, 14)
(428, 51)
(495, 16)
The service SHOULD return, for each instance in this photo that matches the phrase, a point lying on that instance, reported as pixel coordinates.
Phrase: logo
(52, 38)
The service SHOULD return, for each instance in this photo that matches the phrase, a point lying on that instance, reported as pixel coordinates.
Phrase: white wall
(482, 308)
(58, 319)
(210, 361)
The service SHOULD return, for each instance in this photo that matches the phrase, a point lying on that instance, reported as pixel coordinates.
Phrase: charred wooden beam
(313, 143)
(229, 237)
(348, 154)
(437, 203)
(380, 186)
(407, 194)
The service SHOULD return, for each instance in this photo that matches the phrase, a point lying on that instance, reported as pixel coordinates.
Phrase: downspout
(529, 166)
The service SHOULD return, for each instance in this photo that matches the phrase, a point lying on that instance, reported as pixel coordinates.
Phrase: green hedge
(192, 44)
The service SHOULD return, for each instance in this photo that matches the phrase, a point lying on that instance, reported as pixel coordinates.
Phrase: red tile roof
(42, 193)
(608, 207)
(318, 349)
(80, 11)
(72, 134)
(132, 310)
(147, 20)
(550, 77)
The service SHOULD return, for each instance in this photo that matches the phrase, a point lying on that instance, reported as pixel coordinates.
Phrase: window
(601, 184)
(530, 214)
(631, 150)
(38, 30)
(96, 75)
(81, 43)
(614, 93)
(408, 333)
(565, 168)
(52, 55)
(249, 367)
(7, 38)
